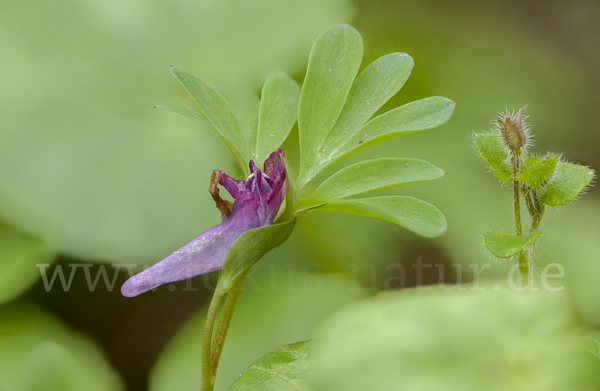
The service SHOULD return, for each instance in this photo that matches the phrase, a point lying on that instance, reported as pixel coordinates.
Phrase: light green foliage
(38, 353)
(85, 162)
(187, 113)
(422, 114)
(284, 369)
(374, 175)
(409, 212)
(334, 108)
(249, 248)
(279, 305)
(504, 245)
(494, 154)
(277, 115)
(440, 341)
(246, 139)
(381, 80)
(536, 171)
(332, 66)
(568, 182)
(217, 110)
(19, 255)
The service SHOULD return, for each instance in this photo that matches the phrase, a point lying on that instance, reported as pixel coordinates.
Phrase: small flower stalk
(540, 181)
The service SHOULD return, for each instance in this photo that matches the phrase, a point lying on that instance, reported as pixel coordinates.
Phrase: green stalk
(223, 327)
(207, 382)
(517, 204)
(536, 210)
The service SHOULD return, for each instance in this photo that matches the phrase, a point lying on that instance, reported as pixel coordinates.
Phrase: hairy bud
(513, 131)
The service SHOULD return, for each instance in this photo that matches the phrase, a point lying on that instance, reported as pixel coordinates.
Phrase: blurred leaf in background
(19, 255)
(37, 352)
(84, 162)
(492, 340)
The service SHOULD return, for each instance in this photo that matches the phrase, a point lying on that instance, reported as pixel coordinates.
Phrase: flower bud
(513, 131)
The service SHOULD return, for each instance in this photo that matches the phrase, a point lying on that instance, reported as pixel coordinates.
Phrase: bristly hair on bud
(514, 130)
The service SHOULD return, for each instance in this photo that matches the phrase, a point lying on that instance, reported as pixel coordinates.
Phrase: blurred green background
(90, 173)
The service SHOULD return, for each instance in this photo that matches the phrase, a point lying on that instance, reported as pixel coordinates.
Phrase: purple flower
(258, 199)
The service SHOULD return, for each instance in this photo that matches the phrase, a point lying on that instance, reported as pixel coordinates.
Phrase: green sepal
(568, 181)
(505, 245)
(494, 154)
(249, 248)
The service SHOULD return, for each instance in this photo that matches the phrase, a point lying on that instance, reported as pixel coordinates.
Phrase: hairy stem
(207, 382)
(536, 211)
(517, 204)
(223, 327)
(516, 194)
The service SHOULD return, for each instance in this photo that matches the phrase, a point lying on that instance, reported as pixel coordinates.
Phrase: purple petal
(258, 200)
(204, 254)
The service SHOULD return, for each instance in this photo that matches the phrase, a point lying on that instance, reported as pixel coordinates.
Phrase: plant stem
(536, 211)
(516, 194)
(223, 327)
(207, 383)
(517, 203)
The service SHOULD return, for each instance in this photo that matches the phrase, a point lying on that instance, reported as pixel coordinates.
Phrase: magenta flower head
(258, 199)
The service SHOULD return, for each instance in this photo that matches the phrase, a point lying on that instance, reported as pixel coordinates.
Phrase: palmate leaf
(277, 114)
(504, 245)
(250, 137)
(492, 151)
(537, 171)
(374, 175)
(419, 115)
(284, 369)
(568, 181)
(333, 122)
(249, 248)
(332, 66)
(377, 84)
(411, 213)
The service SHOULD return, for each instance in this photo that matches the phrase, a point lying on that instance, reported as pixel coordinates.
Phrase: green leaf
(373, 175)
(186, 113)
(284, 369)
(249, 248)
(19, 255)
(37, 352)
(494, 154)
(419, 115)
(332, 66)
(537, 171)
(477, 337)
(277, 114)
(504, 245)
(217, 110)
(568, 182)
(381, 80)
(409, 212)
